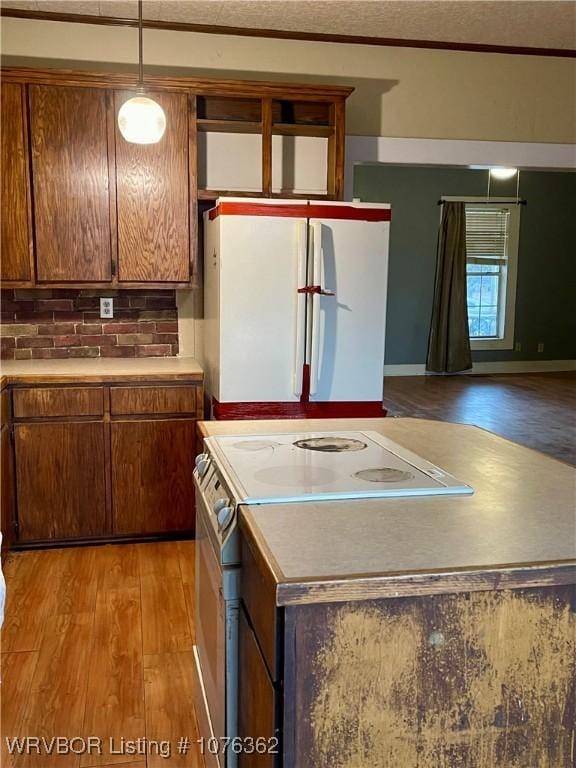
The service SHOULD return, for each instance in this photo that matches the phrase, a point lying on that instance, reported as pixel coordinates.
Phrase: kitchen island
(436, 632)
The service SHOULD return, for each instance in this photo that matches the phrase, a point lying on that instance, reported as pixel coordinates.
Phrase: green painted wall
(545, 298)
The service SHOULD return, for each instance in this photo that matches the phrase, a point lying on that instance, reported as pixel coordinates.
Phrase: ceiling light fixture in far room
(503, 173)
(141, 120)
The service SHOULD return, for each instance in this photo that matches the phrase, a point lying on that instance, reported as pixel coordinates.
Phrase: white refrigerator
(295, 307)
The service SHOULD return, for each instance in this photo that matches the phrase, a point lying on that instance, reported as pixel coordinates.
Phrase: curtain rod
(487, 202)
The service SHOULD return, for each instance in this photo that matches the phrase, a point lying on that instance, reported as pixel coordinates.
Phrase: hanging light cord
(140, 52)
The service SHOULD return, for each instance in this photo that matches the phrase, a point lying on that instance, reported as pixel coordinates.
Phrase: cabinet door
(6, 490)
(152, 465)
(153, 199)
(16, 232)
(60, 480)
(256, 702)
(69, 140)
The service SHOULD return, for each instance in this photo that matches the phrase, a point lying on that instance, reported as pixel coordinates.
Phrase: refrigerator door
(350, 261)
(263, 247)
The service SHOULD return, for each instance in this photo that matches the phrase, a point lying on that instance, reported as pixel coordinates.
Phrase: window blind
(487, 231)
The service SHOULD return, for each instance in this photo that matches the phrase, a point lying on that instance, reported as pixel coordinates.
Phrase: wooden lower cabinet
(61, 480)
(6, 489)
(99, 461)
(152, 485)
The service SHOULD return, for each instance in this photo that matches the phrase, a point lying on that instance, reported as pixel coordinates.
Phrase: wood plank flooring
(97, 641)
(535, 409)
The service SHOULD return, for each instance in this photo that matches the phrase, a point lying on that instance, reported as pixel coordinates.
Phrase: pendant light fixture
(503, 173)
(141, 120)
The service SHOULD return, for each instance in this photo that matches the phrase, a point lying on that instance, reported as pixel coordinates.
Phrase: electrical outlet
(518, 346)
(540, 346)
(106, 307)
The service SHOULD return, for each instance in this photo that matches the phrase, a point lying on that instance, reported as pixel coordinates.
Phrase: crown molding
(281, 34)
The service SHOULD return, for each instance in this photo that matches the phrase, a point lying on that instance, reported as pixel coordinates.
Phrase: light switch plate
(106, 307)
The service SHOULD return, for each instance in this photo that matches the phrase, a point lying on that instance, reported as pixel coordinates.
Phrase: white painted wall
(409, 105)
(233, 161)
(405, 92)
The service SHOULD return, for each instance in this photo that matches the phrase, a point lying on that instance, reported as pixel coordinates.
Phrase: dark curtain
(449, 341)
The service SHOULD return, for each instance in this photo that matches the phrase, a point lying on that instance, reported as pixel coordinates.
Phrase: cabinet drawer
(151, 400)
(57, 401)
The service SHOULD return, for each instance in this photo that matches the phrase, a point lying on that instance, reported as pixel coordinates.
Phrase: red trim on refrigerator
(258, 209)
(348, 212)
(310, 211)
(305, 396)
(302, 410)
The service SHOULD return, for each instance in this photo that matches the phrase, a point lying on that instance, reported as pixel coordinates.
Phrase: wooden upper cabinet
(16, 230)
(69, 141)
(81, 206)
(153, 198)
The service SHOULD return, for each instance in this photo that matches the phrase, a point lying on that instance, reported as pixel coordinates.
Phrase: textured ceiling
(532, 23)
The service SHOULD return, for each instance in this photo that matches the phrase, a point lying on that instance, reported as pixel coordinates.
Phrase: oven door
(210, 620)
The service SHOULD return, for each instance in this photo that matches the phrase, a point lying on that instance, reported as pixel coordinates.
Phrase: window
(491, 266)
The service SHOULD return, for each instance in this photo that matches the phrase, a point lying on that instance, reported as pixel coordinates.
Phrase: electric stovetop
(315, 466)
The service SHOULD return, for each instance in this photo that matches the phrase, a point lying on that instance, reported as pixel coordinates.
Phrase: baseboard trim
(501, 366)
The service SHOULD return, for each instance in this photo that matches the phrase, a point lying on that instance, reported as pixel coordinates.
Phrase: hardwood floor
(97, 641)
(535, 409)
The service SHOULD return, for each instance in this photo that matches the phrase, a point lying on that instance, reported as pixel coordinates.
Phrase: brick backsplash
(66, 323)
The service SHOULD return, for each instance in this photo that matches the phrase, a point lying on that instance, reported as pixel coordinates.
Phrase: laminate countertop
(517, 529)
(95, 370)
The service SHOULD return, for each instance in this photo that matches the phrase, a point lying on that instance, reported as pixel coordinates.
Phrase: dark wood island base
(473, 680)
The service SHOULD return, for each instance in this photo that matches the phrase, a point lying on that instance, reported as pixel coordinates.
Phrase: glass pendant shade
(503, 173)
(141, 120)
